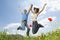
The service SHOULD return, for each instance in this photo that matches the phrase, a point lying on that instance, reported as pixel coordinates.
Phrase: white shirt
(34, 17)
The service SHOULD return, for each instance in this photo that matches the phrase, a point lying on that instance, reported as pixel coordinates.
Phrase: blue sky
(9, 12)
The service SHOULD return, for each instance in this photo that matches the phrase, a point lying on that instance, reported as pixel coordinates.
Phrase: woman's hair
(37, 9)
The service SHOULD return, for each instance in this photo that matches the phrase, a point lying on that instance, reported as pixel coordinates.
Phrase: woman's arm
(31, 9)
(43, 8)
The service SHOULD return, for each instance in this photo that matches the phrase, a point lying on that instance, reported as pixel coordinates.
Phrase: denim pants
(22, 27)
(35, 27)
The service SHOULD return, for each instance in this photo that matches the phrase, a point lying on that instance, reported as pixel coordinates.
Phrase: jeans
(23, 25)
(36, 27)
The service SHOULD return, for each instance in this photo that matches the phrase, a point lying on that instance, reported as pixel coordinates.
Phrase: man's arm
(43, 8)
(30, 8)
(19, 9)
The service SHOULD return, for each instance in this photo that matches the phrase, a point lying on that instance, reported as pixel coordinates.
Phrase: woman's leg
(35, 27)
(40, 25)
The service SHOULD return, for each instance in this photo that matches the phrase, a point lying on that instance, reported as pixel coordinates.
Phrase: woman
(35, 25)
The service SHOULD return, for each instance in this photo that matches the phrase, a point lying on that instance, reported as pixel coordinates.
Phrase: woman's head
(36, 10)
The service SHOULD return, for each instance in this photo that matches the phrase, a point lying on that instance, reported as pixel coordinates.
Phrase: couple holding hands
(24, 16)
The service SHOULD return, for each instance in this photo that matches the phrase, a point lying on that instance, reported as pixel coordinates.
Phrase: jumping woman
(35, 25)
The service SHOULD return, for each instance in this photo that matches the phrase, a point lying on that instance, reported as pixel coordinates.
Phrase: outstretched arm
(19, 9)
(30, 8)
(43, 8)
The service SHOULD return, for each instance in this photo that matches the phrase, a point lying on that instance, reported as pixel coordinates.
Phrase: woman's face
(36, 10)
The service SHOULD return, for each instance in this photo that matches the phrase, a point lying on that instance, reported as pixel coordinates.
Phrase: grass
(49, 36)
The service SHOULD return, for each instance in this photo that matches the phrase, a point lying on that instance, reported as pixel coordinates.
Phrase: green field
(49, 36)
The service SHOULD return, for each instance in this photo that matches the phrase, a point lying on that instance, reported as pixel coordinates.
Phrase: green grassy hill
(49, 36)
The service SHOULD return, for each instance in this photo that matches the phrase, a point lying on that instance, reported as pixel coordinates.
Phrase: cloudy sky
(10, 15)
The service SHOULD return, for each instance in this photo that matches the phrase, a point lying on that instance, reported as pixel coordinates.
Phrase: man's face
(25, 11)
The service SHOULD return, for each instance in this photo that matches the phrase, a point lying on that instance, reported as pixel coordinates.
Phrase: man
(24, 17)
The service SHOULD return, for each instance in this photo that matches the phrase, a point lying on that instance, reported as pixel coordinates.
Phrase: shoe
(18, 28)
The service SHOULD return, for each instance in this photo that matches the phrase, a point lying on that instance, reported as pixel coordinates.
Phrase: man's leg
(21, 28)
(28, 30)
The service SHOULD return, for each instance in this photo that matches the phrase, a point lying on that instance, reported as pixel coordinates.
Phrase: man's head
(36, 10)
(25, 11)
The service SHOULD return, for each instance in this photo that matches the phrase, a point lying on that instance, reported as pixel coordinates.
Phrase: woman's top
(34, 17)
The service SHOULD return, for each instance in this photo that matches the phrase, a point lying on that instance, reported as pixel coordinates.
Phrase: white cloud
(12, 25)
(45, 20)
(12, 29)
(53, 4)
(52, 9)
